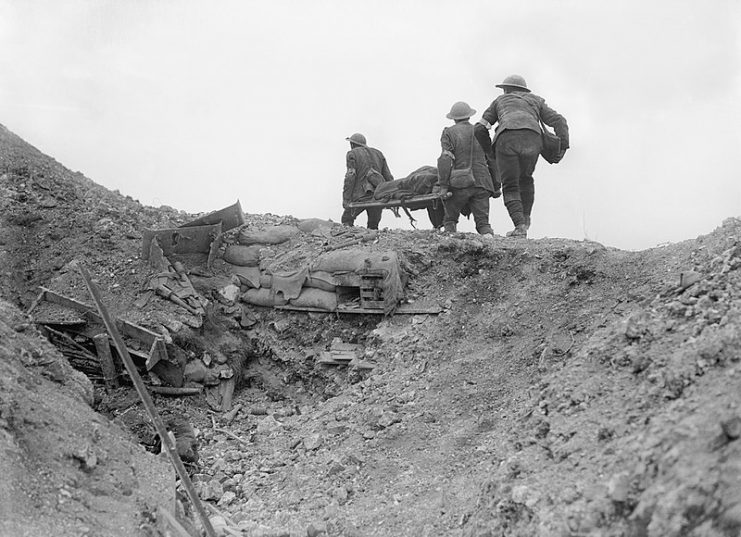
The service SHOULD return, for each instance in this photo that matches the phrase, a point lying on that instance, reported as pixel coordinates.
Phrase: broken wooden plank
(167, 441)
(229, 217)
(361, 364)
(169, 390)
(129, 329)
(342, 346)
(61, 300)
(157, 352)
(143, 356)
(61, 338)
(181, 240)
(35, 302)
(72, 323)
(226, 389)
(103, 348)
(411, 309)
(343, 356)
(297, 308)
(326, 359)
(341, 308)
(155, 341)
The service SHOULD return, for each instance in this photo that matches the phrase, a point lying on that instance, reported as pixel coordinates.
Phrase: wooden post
(103, 347)
(226, 388)
(141, 389)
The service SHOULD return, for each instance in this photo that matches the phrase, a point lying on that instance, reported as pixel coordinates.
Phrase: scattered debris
(93, 323)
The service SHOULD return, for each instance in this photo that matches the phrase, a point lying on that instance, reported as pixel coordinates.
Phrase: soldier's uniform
(459, 151)
(517, 143)
(365, 166)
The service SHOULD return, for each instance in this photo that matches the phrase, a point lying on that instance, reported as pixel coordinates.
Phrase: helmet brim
(469, 116)
(512, 86)
(356, 142)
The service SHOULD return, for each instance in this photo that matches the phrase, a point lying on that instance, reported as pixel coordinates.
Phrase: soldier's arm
(445, 161)
(350, 177)
(553, 119)
(481, 130)
(385, 170)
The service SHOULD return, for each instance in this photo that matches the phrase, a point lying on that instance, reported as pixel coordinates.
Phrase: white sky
(194, 104)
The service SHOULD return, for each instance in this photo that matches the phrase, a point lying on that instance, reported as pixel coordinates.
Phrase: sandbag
(341, 261)
(243, 256)
(321, 280)
(263, 297)
(289, 284)
(310, 225)
(270, 235)
(315, 298)
(318, 280)
(249, 276)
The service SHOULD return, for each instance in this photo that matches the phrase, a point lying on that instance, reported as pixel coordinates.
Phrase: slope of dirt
(66, 470)
(565, 389)
(557, 395)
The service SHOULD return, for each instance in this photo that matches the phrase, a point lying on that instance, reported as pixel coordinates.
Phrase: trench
(275, 362)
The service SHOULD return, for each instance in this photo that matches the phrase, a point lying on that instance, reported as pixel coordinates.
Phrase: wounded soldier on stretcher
(418, 190)
(420, 183)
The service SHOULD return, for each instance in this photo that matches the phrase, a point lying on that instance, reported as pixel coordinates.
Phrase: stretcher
(432, 202)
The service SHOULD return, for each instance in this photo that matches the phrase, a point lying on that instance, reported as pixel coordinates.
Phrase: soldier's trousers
(517, 154)
(477, 199)
(374, 216)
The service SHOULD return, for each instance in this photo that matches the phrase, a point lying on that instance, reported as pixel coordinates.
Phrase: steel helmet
(460, 110)
(514, 81)
(357, 138)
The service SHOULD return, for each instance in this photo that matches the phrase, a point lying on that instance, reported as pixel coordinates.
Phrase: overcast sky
(194, 104)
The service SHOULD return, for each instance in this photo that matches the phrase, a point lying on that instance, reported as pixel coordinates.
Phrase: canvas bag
(372, 177)
(463, 178)
(551, 150)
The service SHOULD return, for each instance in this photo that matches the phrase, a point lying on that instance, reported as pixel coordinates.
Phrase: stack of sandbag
(243, 257)
(302, 288)
(299, 275)
(315, 286)
(272, 235)
(348, 267)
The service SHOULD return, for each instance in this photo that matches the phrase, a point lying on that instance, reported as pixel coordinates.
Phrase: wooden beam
(157, 349)
(36, 301)
(169, 390)
(127, 328)
(167, 441)
(226, 389)
(404, 309)
(103, 347)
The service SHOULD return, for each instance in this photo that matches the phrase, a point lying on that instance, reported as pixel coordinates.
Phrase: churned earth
(565, 388)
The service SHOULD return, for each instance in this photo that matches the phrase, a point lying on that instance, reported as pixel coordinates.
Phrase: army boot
(520, 231)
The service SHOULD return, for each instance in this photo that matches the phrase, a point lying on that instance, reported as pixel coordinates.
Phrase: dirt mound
(565, 388)
(66, 469)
